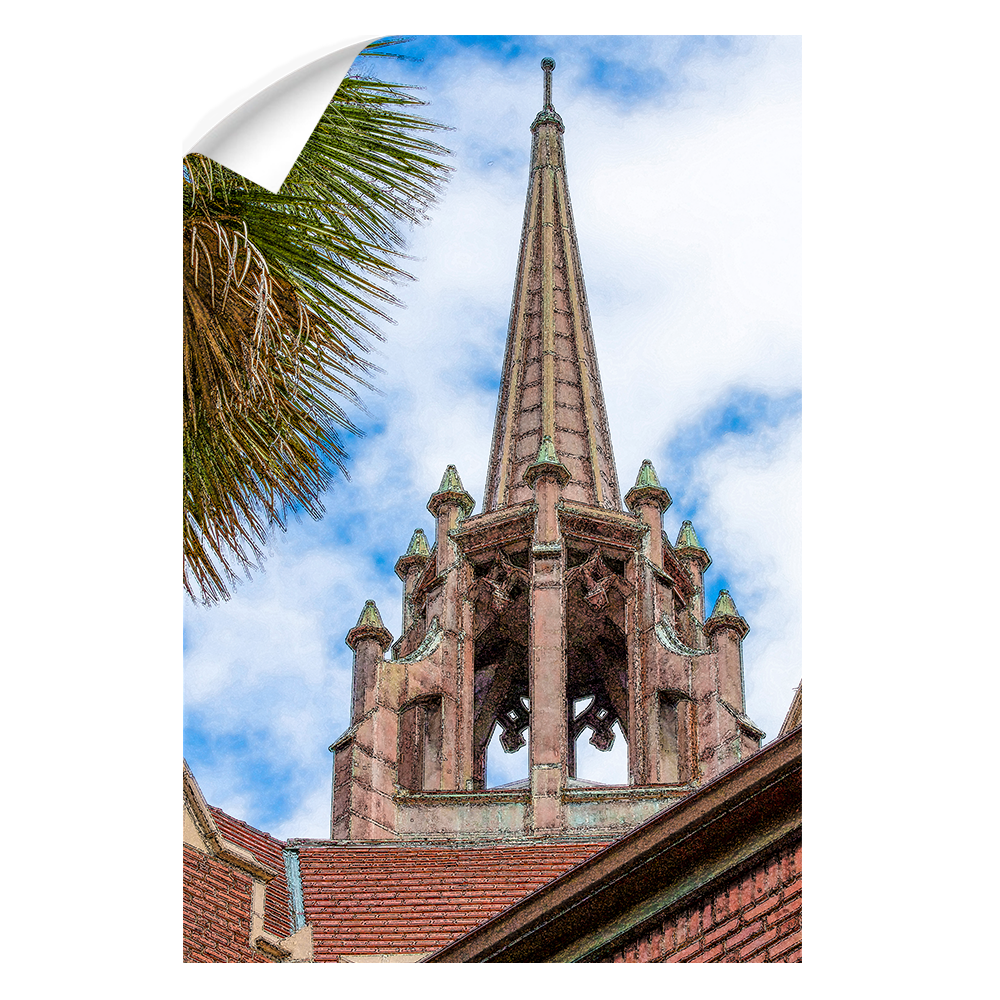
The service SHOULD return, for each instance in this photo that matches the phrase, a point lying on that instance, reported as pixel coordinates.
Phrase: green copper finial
(416, 554)
(548, 65)
(418, 544)
(689, 547)
(724, 605)
(647, 490)
(647, 475)
(450, 481)
(547, 462)
(725, 615)
(369, 627)
(687, 538)
(451, 491)
(547, 451)
(370, 618)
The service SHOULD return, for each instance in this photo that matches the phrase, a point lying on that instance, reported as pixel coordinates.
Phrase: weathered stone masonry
(555, 596)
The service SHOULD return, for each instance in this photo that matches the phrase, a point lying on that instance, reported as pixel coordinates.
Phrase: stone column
(695, 560)
(364, 764)
(648, 500)
(449, 505)
(408, 568)
(726, 630)
(369, 639)
(548, 747)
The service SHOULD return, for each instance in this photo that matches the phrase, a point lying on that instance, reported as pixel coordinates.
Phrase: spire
(647, 489)
(724, 606)
(369, 627)
(724, 615)
(688, 546)
(687, 538)
(550, 384)
(546, 461)
(417, 554)
(451, 490)
(418, 544)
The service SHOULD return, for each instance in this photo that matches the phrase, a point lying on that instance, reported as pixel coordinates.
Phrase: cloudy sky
(684, 171)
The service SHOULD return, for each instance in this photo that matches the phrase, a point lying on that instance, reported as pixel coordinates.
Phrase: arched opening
(674, 762)
(592, 764)
(500, 623)
(503, 768)
(420, 746)
(597, 671)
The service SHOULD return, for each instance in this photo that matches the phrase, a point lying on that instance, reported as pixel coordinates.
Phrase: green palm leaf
(283, 294)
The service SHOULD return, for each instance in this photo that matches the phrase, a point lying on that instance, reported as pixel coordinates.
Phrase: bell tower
(555, 596)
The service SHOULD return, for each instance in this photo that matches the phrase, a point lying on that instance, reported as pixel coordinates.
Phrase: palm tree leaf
(283, 294)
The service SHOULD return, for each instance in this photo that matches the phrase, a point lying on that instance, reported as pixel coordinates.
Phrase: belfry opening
(558, 617)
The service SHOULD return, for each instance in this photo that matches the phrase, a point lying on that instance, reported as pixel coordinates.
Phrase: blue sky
(684, 171)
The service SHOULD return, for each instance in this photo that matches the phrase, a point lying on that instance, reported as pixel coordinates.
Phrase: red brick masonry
(217, 901)
(754, 917)
(267, 851)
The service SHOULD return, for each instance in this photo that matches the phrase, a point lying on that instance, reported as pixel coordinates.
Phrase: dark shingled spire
(550, 385)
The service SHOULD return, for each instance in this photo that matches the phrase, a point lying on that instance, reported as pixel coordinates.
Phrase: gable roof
(232, 844)
(267, 850)
(391, 898)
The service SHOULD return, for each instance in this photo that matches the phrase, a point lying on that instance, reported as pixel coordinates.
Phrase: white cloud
(753, 515)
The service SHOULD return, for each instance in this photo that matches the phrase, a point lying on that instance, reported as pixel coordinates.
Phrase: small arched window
(421, 740)
(675, 759)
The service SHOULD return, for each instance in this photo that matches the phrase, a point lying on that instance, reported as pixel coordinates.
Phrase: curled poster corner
(263, 137)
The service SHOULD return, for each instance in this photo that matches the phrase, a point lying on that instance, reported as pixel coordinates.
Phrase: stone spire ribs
(550, 385)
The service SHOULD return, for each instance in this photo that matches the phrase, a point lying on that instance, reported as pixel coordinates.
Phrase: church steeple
(550, 386)
(551, 613)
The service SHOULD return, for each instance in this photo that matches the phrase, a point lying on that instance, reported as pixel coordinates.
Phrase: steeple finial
(548, 65)
(726, 616)
(451, 490)
(369, 627)
(647, 489)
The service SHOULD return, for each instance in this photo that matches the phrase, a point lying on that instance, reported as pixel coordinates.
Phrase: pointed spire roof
(725, 615)
(451, 481)
(724, 605)
(369, 627)
(451, 490)
(647, 489)
(418, 544)
(689, 547)
(546, 461)
(417, 554)
(550, 383)
(647, 475)
(687, 537)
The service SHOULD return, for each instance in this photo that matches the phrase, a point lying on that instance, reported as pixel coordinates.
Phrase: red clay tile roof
(392, 898)
(267, 850)
(217, 906)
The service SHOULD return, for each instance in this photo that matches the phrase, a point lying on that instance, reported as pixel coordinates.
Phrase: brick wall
(268, 851)
(217, 903)
(753, 917)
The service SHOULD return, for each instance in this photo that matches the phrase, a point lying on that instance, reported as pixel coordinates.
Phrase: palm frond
(283, 294)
